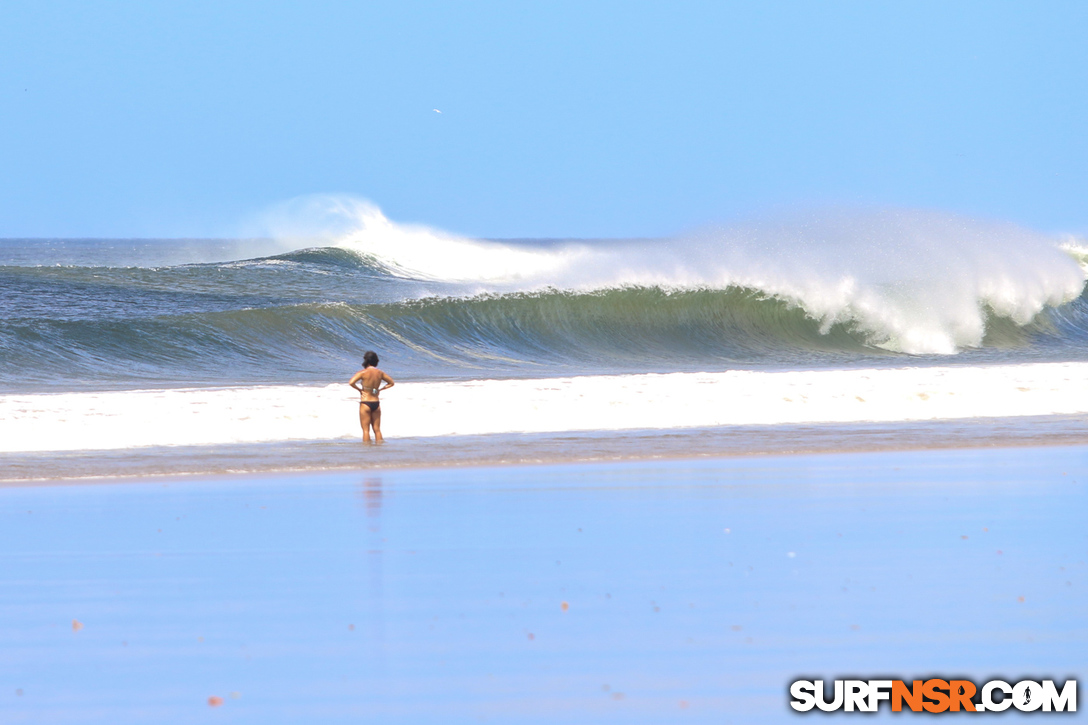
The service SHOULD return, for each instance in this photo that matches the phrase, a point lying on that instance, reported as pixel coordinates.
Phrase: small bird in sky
(436, 110)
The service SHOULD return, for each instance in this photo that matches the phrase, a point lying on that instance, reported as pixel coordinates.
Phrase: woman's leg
(364, 420)
(376, 421)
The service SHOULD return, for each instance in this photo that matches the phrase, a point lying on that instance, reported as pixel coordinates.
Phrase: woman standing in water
(368, 382)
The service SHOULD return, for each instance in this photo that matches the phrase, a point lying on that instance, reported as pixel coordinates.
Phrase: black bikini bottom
(372, 404)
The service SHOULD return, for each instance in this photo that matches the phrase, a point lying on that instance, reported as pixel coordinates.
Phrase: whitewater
(671, 401)
(827, 316)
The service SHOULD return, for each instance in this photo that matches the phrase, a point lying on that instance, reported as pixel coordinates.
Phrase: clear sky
(557, 118)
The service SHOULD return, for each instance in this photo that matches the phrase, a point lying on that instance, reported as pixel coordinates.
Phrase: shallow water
(695, 590)
(528, 448)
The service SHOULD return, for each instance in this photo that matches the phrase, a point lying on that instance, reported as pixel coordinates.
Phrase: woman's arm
(355, 379)
(388, 381)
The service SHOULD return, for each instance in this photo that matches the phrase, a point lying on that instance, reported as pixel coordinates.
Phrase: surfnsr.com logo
(935, 696)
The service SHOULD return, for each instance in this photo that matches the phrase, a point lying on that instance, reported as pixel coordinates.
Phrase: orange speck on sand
(215, 701)
(1019, 599)
(76, 625)
(564, 606)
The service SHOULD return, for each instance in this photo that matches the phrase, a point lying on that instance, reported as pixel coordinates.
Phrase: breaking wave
(805, 290)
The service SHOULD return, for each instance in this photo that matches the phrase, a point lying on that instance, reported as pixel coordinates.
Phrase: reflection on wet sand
(687, 587)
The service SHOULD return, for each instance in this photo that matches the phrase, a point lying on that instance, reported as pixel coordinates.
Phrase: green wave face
(546, 333)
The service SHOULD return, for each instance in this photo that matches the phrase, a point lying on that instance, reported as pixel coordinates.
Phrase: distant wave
(820, 289)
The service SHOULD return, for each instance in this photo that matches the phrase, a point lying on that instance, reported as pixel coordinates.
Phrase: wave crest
(912, 281)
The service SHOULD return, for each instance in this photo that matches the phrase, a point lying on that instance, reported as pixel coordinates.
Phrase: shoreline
(734, 442)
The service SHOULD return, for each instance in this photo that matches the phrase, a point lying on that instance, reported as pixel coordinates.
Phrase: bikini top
(372, 391)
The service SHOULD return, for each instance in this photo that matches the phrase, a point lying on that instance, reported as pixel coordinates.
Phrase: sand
(675, 591)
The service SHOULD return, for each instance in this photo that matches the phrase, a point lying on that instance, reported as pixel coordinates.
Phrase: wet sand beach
(668, 591)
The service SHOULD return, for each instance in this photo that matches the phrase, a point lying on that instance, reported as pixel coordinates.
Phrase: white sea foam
(120, 420)
(913, 281)
(413, 250)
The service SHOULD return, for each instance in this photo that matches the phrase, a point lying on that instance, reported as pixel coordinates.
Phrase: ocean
(121, 344)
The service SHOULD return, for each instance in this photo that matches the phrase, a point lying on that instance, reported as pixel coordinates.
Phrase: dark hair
(370, 359)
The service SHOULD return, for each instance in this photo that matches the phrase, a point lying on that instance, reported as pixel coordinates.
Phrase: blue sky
(558, 118)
